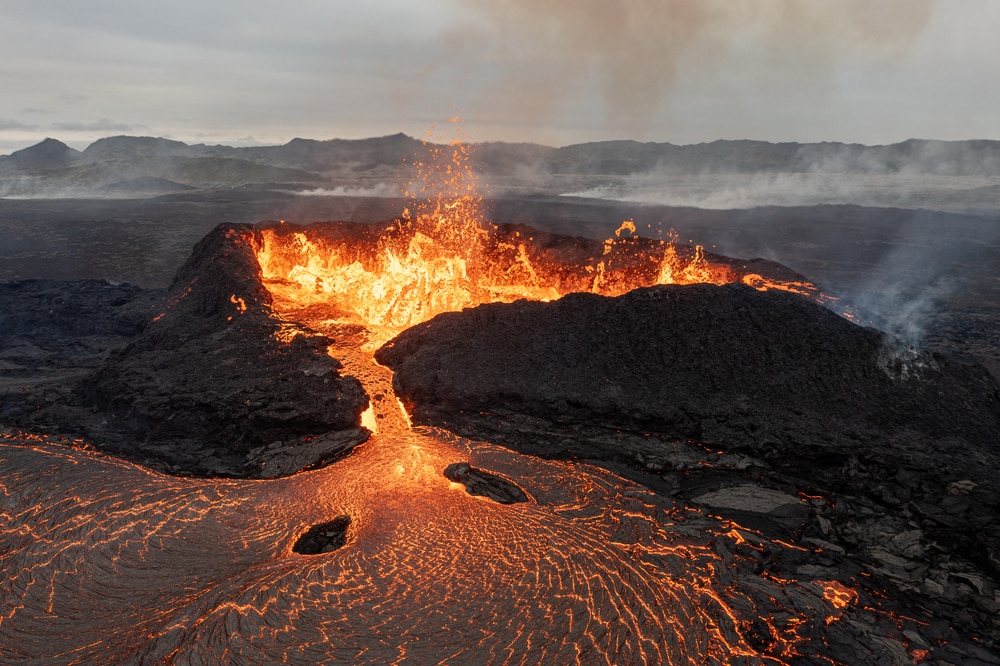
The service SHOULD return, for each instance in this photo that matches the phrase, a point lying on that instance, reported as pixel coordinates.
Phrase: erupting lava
(443, 256)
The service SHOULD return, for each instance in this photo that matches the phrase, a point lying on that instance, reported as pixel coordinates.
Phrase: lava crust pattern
(109, 561)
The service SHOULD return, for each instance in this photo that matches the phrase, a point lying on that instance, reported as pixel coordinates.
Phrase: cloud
(102, 125)
(73, 98)
(7, 124)
(554, 71)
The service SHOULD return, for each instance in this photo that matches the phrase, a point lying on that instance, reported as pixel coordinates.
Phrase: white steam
(730, 191)
(378, 190)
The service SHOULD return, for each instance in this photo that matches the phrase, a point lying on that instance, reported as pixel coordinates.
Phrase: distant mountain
(49, 154)
(960, 158)
(524, 167)
(335, 153)
(143, 166)
(134, 147)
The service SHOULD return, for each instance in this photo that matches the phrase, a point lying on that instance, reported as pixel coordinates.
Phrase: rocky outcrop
(324, 537)
(485, 484)
(215, 368)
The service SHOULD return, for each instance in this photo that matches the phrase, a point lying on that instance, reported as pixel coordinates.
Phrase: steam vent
(392, 443)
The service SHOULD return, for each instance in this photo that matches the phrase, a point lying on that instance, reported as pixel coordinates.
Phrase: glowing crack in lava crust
(106, 561)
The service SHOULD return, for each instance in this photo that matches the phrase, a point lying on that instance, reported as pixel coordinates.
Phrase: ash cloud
(548, 53)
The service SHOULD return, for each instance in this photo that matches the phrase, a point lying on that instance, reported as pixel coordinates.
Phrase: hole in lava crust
(324, 537)
(485, 484)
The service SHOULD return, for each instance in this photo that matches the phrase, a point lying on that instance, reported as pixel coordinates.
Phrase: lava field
(382, 444)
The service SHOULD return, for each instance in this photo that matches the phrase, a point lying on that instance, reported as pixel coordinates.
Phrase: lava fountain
(443, 256)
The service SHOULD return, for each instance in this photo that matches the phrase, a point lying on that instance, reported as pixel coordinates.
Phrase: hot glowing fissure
(395, 275)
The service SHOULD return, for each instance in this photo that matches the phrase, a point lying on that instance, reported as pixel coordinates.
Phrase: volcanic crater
(497, 446)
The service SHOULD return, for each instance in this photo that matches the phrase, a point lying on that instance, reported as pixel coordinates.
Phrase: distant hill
(959, 158)
(335, 153)
(145, 185)
(49, 154)
(134, 147)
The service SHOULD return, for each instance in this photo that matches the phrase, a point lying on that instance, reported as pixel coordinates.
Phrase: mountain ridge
(310, 163)
(726, 154)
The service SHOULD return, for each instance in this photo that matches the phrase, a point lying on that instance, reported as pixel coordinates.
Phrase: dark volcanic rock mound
(724, 365)
(215, 372)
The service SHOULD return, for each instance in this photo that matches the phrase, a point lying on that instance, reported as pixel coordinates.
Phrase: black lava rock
(483, 483)
(728, 366)
(324, 537)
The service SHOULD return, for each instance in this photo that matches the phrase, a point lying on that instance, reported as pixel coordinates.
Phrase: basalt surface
(722, 365)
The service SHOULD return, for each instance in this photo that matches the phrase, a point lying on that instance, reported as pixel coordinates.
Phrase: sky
(556, 72)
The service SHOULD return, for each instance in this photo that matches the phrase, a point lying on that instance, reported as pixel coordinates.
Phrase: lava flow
(108, 562)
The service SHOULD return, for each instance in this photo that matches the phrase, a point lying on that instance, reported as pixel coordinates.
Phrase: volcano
(500, 445)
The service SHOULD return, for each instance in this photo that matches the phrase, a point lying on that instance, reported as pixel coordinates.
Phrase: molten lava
(443, 256)
(108, 562)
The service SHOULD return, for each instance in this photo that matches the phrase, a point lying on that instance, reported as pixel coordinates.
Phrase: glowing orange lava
(148, 568)
(838, 594)
(443, 256)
